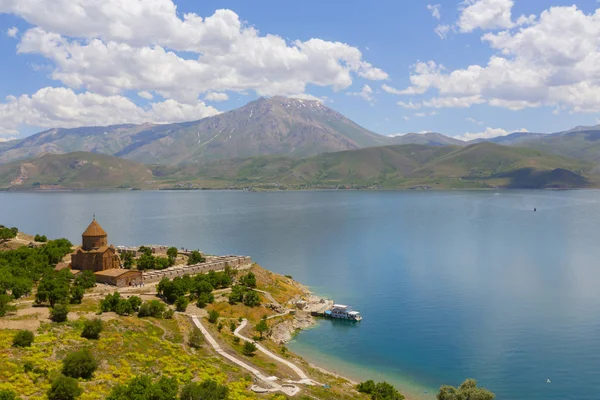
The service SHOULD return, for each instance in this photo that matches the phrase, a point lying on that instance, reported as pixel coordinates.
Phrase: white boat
(341, 311)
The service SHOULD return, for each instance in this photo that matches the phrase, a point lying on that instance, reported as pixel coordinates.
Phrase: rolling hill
(79, 170)
(482, 165)
(267, 126)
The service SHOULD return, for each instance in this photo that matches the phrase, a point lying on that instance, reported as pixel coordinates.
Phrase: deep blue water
(451, 284)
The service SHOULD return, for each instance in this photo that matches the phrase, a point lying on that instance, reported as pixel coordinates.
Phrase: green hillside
(482, 165)
(79, 170)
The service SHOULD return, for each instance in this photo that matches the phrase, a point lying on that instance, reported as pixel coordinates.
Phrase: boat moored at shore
(341, 311)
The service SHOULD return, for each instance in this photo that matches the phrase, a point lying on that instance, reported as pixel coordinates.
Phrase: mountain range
(293, 143)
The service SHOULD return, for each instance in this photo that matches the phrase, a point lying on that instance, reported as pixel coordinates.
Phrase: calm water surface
(451, 285)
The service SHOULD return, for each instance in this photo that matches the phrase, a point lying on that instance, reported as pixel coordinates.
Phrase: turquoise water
(451, 284)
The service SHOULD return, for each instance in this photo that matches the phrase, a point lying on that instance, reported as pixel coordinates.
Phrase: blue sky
(464, 68)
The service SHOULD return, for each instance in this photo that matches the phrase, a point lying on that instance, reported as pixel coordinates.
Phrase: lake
(450, 284)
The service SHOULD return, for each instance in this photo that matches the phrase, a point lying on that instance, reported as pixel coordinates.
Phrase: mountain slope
(581, 143)
(481, 165)
(428, 138)
(273, 126)
(79, 170)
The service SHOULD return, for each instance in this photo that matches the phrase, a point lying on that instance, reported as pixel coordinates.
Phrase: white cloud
(406, 118)
(366, 93)
(474, 121)
(435, 10)
(420, 114)
(6, 139)
(552, 62)
(215, 96)
(12, 32)
(410, 105)
(489, 133)
(442, 30)
(140, 53)
(144, 94)
(60, 107)
(488, 15)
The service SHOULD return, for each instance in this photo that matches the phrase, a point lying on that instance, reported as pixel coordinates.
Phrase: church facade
(95, 254)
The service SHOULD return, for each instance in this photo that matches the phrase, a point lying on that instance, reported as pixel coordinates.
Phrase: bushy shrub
(64, 388)
(85, 279)
(251, 299)
(59, 313)
(249, 349)
(207, 389)
(379, 391)
(92, 329)
(142, 387)
(79, 364)
(196, 339)
(40, 238)
(248, 280)
(195, 258)
(168, 314)
(152, 308)
(213, 316)
(23, 339)
(181, 304)
(76, 295)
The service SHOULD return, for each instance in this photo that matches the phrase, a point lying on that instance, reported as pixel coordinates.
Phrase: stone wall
(212, 264)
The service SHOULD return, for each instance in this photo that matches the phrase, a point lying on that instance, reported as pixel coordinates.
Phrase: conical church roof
(94, 230)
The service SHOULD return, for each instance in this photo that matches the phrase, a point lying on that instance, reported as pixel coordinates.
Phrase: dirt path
(268, 381)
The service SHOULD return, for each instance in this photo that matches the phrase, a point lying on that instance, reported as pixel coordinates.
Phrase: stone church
(95, 254)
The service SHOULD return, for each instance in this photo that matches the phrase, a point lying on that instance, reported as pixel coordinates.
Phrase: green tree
(168, 314)
(23, 339)
(152, 308)
(172, 254)
(147, 251)
(196, 339)
(64, 388)
(127, 258)
(5, 306)
(251, 299)
(59, 313)
(76, 295)
(248, 280)
(92, 328)
(79, 364)
(468, 390)
(379, 391)
(249, 349)
(8, 395)
(40, 238)
(146, 261)
(195, 258)
(213, 316)
(8, 233)
(85, 279)
(261, 327)
(205, 390)
(142, 388)
(181, 303)
(237, 294)
(135, 303)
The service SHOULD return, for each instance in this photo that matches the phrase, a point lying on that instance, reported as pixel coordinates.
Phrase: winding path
(289, 390)
(303, 377)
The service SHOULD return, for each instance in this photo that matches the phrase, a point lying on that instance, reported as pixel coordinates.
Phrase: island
(101, 321)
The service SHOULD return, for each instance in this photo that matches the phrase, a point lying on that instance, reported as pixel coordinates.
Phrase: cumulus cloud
(366, 93)
(61, 107)
(551, 62)
(215, 96)
(134, 45)
(144, 94)
(442, 30)
(489, 133)
(435, 10)
(489, 15)
(12, 32)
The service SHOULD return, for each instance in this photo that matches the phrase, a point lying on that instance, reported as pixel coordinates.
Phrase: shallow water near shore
(450, 284)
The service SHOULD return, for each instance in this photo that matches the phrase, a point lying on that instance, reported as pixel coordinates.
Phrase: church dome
(94, 230)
